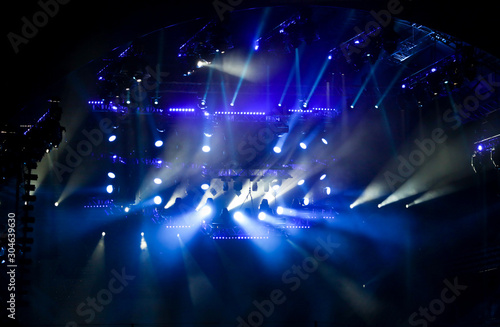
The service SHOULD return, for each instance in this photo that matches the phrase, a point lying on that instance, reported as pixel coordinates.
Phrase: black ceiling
(80, 32)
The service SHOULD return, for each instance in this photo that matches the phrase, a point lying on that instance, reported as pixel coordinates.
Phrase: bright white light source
(157, 199)
(322, 177)
(127, 209)
(262, 215)
(279, 210)
(277, 149)
(205, 186)
(157, 181)
(306, 201)
(324, 141)
(112, 138)
(205, 148)
(303, 145)
(238, 216)
(103, 233)
(300, 182)
(109, 189)
(158, 143)
(56, 204)
(206, 211)
(328, 190)
(111, 175)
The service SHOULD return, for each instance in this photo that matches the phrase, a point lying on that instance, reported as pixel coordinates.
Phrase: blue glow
(262, 216)
(479, 147)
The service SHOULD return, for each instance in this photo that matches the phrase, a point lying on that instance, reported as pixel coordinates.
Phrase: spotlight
(205, 186)
(238, 216)
(157, 199)
(111, 175)
(158, 143)
(306, 201)
(303, 145)
(262, 216)
(322, 177)
(112, 138)
(277, 149)
(279, 210)
(206, 211)
(109, 189)
(351, 205)
(479, 147)
(301, 182)
(208, 134)
(324, 141)
(328, 190)
(205, 148)
(56, 204)
(127, 209)
(157, 181)
(276, 184)
(142, 233)
(379, 205)
(178, 235)
(232, 104)
(103, 233)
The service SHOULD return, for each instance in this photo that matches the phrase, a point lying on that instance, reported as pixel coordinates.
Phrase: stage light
(56, 204)
(111, 175)
(479, 147)
(157, 199)
(178, 235)
(277, 149)
(301, 182)
(322, 177)
(324, 141)
(109, 189)
(351, 205)
(157, 181)
(303, 145)
(208, 134)
(262, 216)
(205, 186)
(256, 47)
(112, 138)
(379, 205)
(206, 211)
(238, 216)
(142, 233)
(328, 190)
(329, 57)
(103, 233)
(232, 104)
(403, 86)
(127, 209)
(158, 143)
(279, 210)
(276, 184)
(306, 201)
(205, 148)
